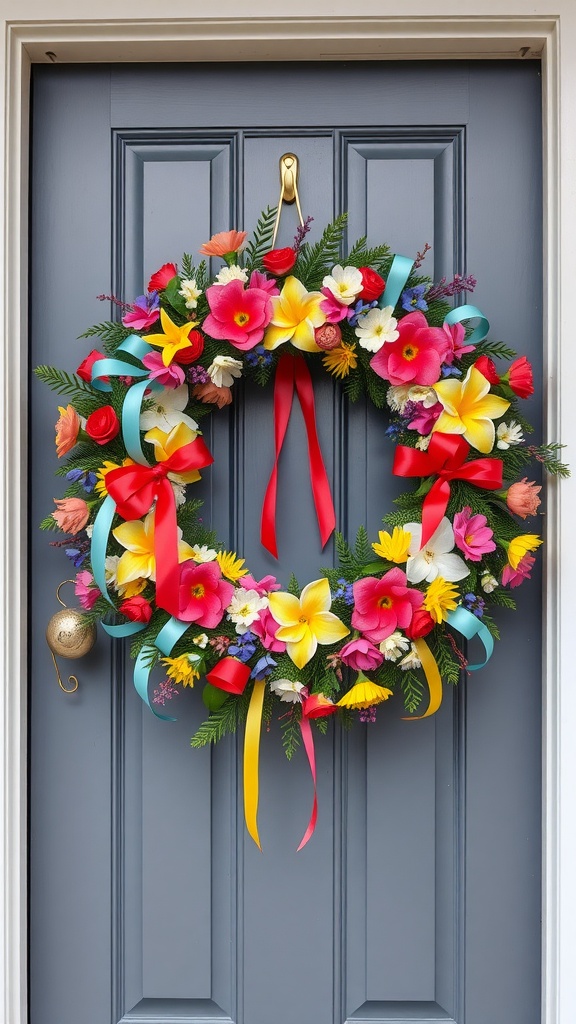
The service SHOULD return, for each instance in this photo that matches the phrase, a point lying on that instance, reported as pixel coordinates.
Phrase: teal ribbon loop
(397, 277)
(467, 312)
(112, 367)
(469, 625)
(99, 544)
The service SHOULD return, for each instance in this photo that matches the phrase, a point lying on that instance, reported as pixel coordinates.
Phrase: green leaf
(81, 395)
(314, 261)
(177, 301)
(213, 697)
(261, 241)
(221, 722)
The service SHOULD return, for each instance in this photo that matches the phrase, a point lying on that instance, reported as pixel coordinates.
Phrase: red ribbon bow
(135, 488)
(446, 458)
(293, 375)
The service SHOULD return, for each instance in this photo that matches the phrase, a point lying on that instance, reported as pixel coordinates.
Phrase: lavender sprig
(446, 289)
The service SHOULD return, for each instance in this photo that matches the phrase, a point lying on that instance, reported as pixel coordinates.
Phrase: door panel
(418, 897)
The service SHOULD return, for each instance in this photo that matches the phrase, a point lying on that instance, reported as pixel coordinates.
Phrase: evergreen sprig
(261, 241)
(82, 396)
(315, 261)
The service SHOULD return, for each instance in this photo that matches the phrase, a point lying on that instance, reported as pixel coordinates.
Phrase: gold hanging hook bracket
(289, 171)
(71, 635)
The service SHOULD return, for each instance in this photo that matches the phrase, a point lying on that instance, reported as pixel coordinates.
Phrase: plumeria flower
(202, 553)
(190, 293)
(289, 690)
(295, 315)
(168, 411)
(139, 559)
(436, 559)
(223, 370)
(469, 409)
(394, 646)
(345, 283)
(509, 434)
(306, 621)
(245, 607)
(376, 328)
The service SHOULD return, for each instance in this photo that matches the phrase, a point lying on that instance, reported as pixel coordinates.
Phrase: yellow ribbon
(251, 754)
(433, 679)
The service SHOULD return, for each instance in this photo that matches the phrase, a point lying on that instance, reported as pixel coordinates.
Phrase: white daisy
(509, 434)
(245, 607)
(223, 370)
(190, 293)
(234, 273)
(288, 690)
(394, 645)
(376, 327)
(168, 411)
(435, 559)
(345, 283)
(202, 553)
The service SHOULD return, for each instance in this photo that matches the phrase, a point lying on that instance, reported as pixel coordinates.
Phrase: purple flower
(413, 298)
(367, 714)
(451, 371)
(474, 604)
(165, 691)
(197, 375)
(263, 667)
(76, 556)
(344, 591)
(358, 310)
(259, 356)
(84, 477)
(244, 647)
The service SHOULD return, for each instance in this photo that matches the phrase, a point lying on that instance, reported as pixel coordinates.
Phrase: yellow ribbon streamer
(251, 755)
(433, 679)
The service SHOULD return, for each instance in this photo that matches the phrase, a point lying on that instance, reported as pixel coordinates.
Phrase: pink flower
(162, 277)
(67, 429)
(383, 605)
(203, 594)
(144, 312)
(456, 335)
(86, 594)
(223, 243)
(522, 498)
(265, 284)
(171, 376)
(333, 310)
(265, 628)
(361, 655)
(71, 515)
(472, 534)
(237, 315)
(424, 419)
(514, 577)
(416, 356)
(263, 586)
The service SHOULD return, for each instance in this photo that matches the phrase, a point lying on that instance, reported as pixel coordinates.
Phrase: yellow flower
(295, 314)
(364, 694)
(520, 546)
(339, 361)
(100, 487)
(166, 444)
(306, 622)
(139, 561)
(469, 409)
(395, 547)
(231, 565)
(441, 597)
(174, 338)
(132, 588)
(181, 670)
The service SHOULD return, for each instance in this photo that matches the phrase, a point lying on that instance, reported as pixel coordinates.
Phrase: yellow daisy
(393, 547)
(339, 361)
(441, 597)
(100, 487)
(520, 546)
(231, 565)
(181, 670)
(364, 694)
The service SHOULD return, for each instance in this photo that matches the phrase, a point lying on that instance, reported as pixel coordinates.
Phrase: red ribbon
(293, 375)
(308, 741)
(445, 458)
(135, 488)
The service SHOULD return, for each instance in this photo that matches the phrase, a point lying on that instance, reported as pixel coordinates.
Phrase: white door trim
(28, 37)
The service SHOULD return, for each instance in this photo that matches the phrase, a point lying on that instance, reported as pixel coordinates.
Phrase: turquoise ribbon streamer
(165, 641)
(469, 625)
(131, 421)
(99, 543)
(461, 313)
(112, 367)
(397, 277)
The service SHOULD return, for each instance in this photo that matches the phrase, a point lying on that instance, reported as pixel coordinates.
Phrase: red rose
(161, 278)
(372, 285)
(487, 369)
(102, 425)
(137, 609)
(520, 377)
(279, 261)
(422, 623)
(84, 371)
(193, 352)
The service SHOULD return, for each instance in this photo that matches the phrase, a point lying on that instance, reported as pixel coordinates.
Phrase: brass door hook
(289, 170)
(69, 634)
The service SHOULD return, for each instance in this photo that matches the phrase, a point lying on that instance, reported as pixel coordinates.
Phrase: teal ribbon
(112, 367)
(99, 544)
(397, 277)
(467, 312)
(469, 625)
(165, 641)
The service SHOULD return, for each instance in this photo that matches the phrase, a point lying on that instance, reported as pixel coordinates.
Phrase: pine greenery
(261, 241)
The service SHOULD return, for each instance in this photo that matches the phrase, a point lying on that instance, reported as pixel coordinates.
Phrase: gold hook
(58, 598)
(289, 171)
(71, 679)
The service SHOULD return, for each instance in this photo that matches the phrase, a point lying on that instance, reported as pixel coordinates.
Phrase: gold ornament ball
(69, 634)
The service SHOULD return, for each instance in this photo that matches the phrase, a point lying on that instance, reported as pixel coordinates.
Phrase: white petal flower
(245, 607)
(509, 434)
(376, 327)
(223, 370)
(488, 583)
(110, 568)
(426, 396)
(288, 690)
(168, 411)
(190, 293)
(397, 396)
(201, 640)
(394, 645)
(436, 558)
(89, 530)
(345, 283)
(411, 660)
(423, 442)
(179, 489)
(228, 274)
(202, 553)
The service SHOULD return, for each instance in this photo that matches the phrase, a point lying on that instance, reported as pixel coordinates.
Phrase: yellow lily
(166, 444)
(296, 313)
(393, 547)
(305, 621)
(469, 409)
(174, 338)
(139, 561)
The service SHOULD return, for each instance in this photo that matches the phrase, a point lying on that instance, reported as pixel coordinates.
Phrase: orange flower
(67, 429)
(522, 498)
(223, 243)
(212, 395)
(72, 514)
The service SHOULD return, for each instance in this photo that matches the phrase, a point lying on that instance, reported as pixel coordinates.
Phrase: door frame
(368, 35)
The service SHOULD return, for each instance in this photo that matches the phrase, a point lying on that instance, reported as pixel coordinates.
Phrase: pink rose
(361, 655)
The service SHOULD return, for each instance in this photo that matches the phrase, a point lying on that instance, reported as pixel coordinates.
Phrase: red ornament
(279, 261)
(230, 675)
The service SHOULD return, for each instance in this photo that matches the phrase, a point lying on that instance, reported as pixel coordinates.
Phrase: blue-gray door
(418, 899)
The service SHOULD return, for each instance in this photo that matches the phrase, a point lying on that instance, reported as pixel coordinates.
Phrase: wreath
(389, 618)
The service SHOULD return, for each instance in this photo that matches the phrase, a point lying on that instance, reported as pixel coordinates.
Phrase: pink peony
(203, 594)
(514, 577)
(265, 628)
(456, 335)
(472, 534)
(71, 515)
(381, 606)
(522, 498)
(237, 314)
(86, 594)
(171, 376)
(263, 586)
(416, 356)
(361, 655)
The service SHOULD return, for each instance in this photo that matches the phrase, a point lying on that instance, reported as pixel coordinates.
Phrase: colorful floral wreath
(394, 609)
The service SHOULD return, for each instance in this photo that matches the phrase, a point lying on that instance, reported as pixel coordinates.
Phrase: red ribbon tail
(308, 741)
(433, 509)
(166, 549)
(283, 394)
(318, 476)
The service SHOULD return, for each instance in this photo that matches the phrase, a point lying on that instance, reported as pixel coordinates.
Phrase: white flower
(423, 442)
(168, 411)
(287, 690)
(426, 396)
(345, 283)
(111, 568)
(178, 488)
(245, 607)
(201, 640)
(394, 645)
(509, 434)
(228, 274)
(435, 559)
(376, 327)
(223, 370)
(397, 396)
(488, 582)
(411, 660)
(202, 553)
(190, 293)
(89, 530)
